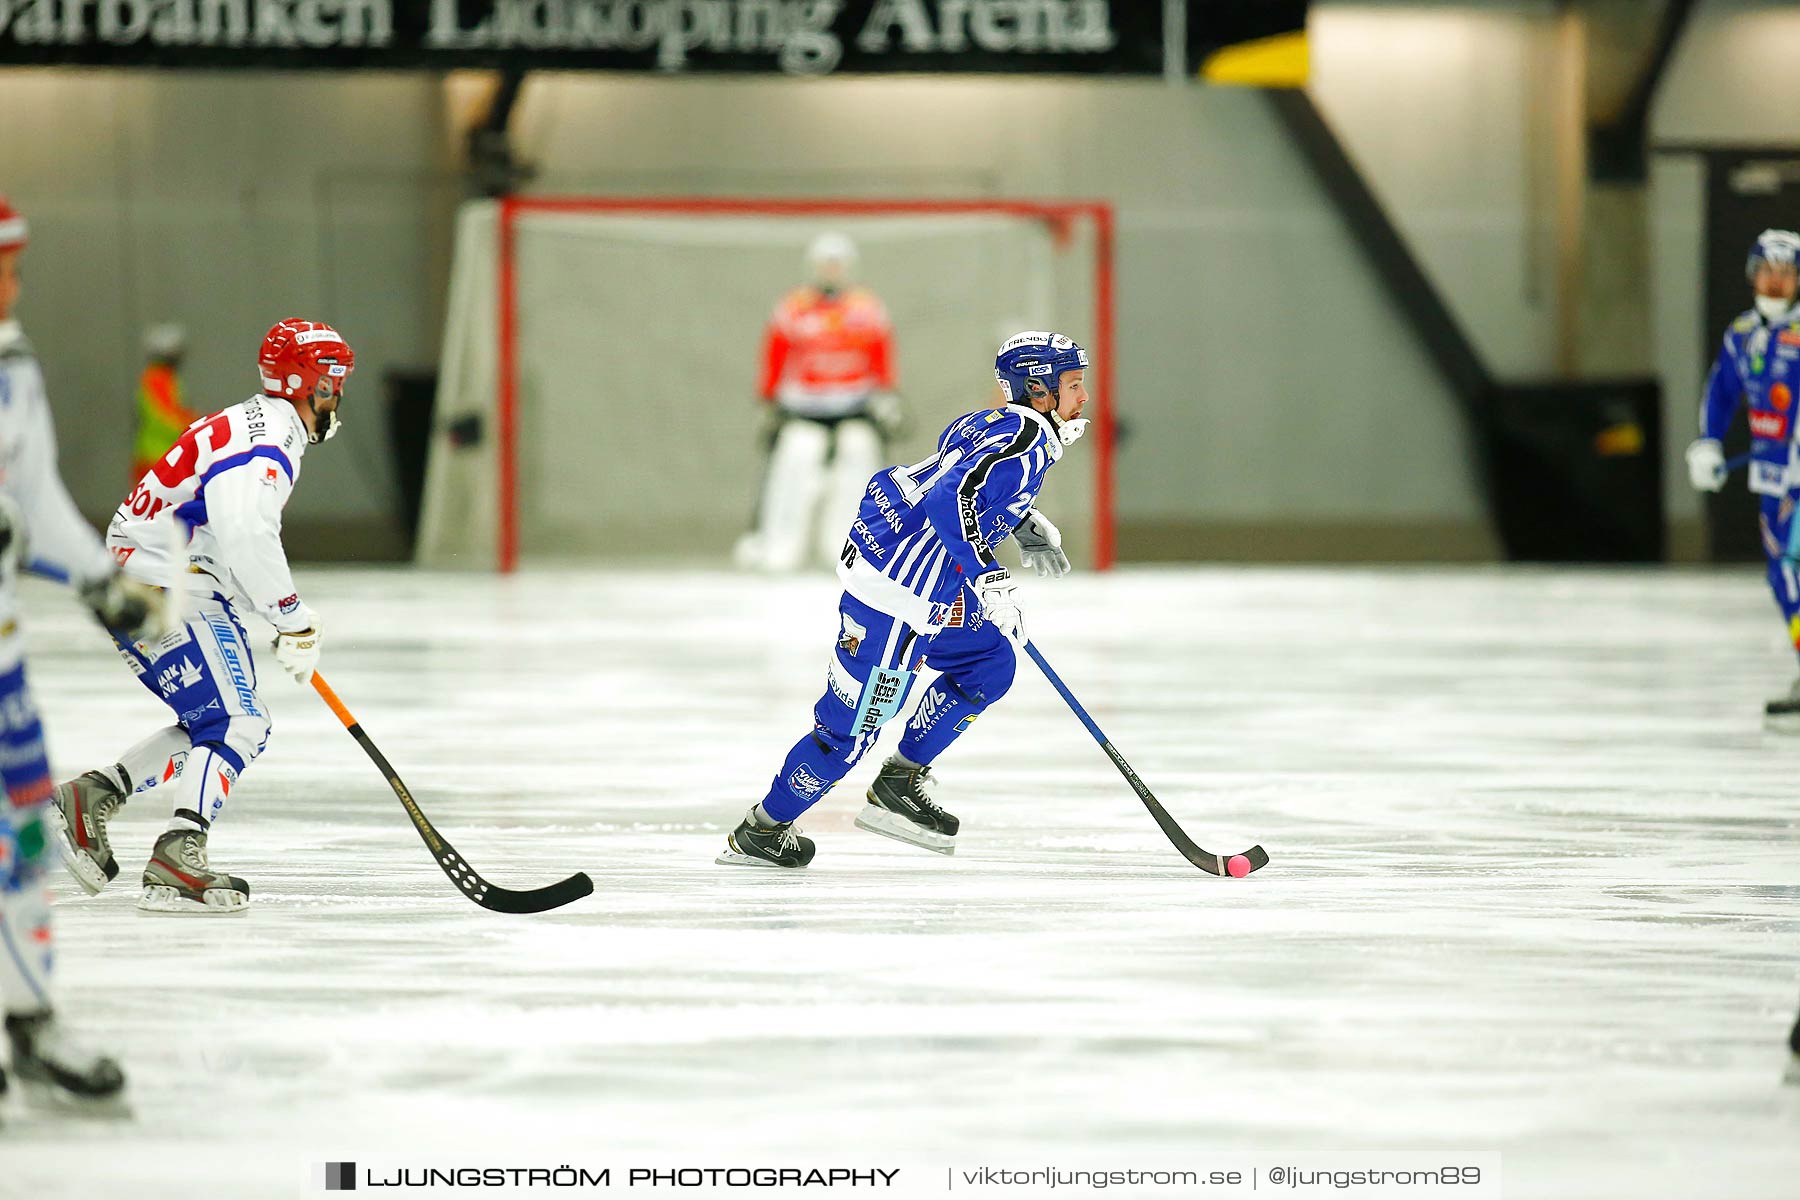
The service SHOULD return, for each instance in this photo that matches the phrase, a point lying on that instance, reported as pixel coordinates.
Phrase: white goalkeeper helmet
(831, 259)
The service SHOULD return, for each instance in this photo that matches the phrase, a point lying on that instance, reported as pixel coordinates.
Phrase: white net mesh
(637, 347)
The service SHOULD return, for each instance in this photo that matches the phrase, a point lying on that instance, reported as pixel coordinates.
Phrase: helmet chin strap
(1068, 431)
(1773, 308)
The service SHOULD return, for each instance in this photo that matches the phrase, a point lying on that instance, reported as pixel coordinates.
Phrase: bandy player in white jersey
(219, 492)
(40, 523)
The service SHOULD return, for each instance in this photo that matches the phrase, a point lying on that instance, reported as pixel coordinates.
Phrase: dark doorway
(1747, 191)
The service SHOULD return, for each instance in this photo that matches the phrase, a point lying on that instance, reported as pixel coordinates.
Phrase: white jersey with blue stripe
(924, 530)
(59, 539)
(226, 480)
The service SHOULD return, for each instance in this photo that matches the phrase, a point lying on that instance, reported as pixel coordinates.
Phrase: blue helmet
(1038, 356)
(1774, 247)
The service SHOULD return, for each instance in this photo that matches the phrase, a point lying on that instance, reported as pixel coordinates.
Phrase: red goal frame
(1057, 214)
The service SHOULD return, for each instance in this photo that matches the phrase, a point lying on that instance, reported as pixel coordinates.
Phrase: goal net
(596, 396)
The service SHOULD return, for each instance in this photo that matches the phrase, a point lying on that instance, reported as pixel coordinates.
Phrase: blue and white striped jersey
(925, 530)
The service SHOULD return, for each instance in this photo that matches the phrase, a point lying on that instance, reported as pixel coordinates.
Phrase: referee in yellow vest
(161, 415)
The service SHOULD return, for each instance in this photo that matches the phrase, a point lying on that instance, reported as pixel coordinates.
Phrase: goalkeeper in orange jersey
(828, 369)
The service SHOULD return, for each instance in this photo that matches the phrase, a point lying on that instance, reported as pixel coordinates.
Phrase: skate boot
(900, 806)
(1793, 1070)
(1785, 708)
(47, 1061)
(755, 845)
(79, 812)
(178, 880)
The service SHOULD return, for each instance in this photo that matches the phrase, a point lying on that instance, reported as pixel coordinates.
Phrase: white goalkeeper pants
(817, 473)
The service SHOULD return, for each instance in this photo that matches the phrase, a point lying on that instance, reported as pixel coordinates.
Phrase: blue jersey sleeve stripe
(238, 460)
(193, 512)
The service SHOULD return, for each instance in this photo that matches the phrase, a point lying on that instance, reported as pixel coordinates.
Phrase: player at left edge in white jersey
(40, 524)
(219, 492)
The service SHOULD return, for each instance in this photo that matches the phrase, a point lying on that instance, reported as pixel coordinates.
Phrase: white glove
(1706, 465)
(888, 412)
(1040, 546)
(298, 651)
(999, 604)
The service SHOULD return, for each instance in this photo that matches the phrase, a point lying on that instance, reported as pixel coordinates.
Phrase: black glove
(135, 611)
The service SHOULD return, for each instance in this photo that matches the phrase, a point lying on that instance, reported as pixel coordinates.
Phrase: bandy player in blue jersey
(922, 589)
(1758, 368)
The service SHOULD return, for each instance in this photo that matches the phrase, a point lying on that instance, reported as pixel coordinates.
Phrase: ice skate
(753, 845)
(178, 880)
(1785, 710)
(900, 806)
(79, 813)
(51, 1065)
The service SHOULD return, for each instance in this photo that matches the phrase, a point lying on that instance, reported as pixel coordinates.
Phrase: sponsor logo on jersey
(1770, 426)
(948, 615)
(194, 714)
(868, 538)
(885, 507)
(1789, 337)
(1781, 396)
(962, 726)
(850, 634)
(215, 803)
(881, 699)
(971, 526)
(806, 785)
(184, 674)
(930, 709)
(843, 685)
(226, 637)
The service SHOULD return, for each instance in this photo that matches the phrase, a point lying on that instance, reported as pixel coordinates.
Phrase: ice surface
(1534, 889)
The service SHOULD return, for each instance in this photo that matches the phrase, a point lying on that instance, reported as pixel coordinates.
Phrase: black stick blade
(538, 900)
(1206, 860)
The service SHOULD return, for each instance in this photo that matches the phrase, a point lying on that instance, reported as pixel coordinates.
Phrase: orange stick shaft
(331, 700)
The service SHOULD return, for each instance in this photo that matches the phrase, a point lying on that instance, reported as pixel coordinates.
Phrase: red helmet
(12, 226)
(299, 358)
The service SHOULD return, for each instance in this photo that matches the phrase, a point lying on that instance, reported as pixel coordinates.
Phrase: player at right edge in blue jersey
(1758, 368)
(922, 588)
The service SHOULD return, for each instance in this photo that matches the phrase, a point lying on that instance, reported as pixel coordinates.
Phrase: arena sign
(799, 37)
